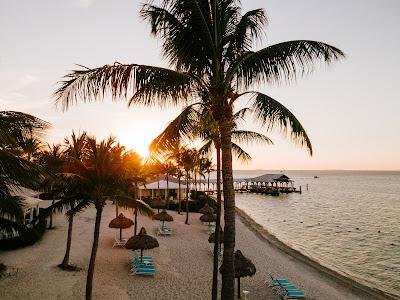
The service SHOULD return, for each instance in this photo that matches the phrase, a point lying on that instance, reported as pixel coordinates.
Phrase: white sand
(183, 262)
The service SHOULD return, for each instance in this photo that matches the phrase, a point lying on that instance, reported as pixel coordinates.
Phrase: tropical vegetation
(209, 47)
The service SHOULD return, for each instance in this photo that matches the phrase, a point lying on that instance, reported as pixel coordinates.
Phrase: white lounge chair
(119, 242)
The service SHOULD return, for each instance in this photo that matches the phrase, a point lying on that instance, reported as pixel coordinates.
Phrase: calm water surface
(348, 221)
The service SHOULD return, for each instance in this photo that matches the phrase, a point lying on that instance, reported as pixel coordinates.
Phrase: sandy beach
(183, 262)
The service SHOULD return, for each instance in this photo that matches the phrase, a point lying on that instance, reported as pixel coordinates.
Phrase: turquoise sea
(348, 221)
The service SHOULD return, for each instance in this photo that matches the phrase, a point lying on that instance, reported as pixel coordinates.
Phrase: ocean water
(348, 221)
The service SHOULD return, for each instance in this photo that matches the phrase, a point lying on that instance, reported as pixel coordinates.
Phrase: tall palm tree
(169, 169)
(217, 68)
(195, 123)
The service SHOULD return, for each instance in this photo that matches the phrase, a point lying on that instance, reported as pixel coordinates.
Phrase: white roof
(27, 195)
(162, 185)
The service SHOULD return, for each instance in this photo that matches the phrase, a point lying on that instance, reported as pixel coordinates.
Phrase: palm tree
(53, 160)
(192, 124)
(169, 169)
(217, 68)
(15, 171)
(188, 164)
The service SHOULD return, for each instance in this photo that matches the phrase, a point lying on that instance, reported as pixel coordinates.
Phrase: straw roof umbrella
(208, 218)
(243, 267)
(141, 241)
(206, 209)
(211, 238)
(163, 216)
(157, 203)
(120, 222)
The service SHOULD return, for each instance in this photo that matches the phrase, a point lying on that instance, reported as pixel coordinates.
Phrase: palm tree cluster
(209, 47)
(90, 172)
(17, 130)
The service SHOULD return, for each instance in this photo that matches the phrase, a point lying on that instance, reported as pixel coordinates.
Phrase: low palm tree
(15, 171)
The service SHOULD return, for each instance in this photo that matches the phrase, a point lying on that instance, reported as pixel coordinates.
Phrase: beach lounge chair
(293, 295)
(164, 231)
(278, 281)
(144, 271)
(119, 242)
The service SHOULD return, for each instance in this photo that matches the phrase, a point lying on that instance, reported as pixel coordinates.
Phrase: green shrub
(27, 237)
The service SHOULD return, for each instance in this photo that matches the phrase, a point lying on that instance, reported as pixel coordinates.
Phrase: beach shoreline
(351, 283)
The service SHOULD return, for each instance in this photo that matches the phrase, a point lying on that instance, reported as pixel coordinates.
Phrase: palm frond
(118, 80)
(240, 154)
(272, 114)
(11, 207)
(8, 228)
(178, 130)
(247, 137)
(281, 62)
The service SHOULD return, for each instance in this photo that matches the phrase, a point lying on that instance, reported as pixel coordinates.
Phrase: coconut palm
(193, 123)
(188, 164)
(15, 171)
(208, 45)
(168, 168)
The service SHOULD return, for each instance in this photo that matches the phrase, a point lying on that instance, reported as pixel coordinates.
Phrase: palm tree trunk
(89, 281)
(65, 262)
(214, 293)
(51, 214)
(135, 221)
(187, 199)
(228, 274)
(179, 195)
(116, 209)
(195, 181)
(167, 193)
(208, 182)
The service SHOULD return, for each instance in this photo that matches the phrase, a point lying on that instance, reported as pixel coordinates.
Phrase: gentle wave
(347, 221)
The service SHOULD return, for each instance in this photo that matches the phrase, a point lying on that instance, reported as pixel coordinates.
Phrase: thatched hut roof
(157, 203)
(208, 218)
(121, 222)
(142, 241)
(206, 209)
(243, 266)
(163, 216)
(211, 238)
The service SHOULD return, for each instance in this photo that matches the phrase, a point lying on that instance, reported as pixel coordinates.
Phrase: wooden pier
(267, 184)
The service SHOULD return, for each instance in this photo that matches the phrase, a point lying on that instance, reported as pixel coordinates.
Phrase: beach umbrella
(206, 209)
(163, 216)
(157, 203)
(120, 222)
(243, 267)
(141, 241)
(211, 238)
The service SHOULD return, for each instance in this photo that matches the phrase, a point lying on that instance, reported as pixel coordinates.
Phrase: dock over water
(268, 184)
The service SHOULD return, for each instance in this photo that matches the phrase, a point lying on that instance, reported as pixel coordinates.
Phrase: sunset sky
(350, 109)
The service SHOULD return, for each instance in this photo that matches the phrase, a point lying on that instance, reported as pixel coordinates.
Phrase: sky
(349, 109)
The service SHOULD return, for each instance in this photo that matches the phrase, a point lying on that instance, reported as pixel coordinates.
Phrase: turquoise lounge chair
(293, 295)
(278, 281)
(144, 271)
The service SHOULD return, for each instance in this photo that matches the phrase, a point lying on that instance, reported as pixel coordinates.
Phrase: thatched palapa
(120, 222)
(142, 241)
(211, 238)
(206, 209)
(163, 217)
(243, 267)
(208, 218)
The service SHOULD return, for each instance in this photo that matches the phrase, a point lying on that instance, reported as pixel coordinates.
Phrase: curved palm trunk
(51, 215)
(65, 262)
(89, 281)
(187, 199)
(228, 274)
(214, 292)
(179, 196)
(116, 209)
